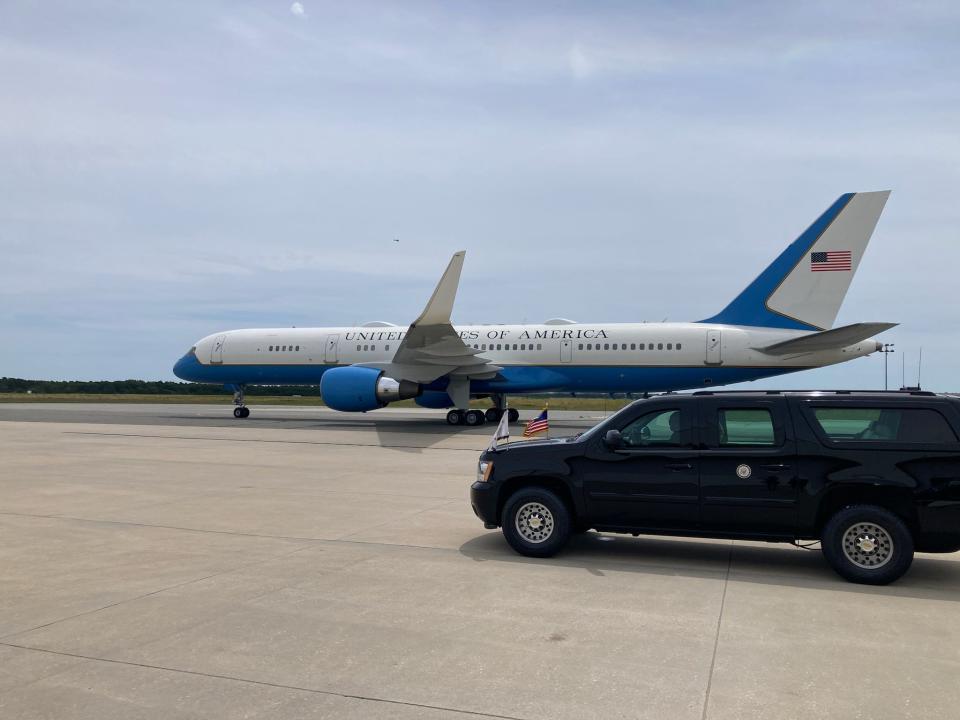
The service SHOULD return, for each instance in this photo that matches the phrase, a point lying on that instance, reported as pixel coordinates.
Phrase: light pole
(886, 350)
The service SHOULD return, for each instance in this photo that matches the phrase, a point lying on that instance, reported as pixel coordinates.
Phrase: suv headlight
(484, 469)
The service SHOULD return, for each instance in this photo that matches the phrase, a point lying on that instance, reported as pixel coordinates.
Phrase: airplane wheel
(513, 414)
(474, 417)
(238, 412)
(246, 412)
(454, 417)
(493, 415)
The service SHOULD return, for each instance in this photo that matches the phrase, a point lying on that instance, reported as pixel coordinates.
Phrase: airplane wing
(432, 348)
(828, 339)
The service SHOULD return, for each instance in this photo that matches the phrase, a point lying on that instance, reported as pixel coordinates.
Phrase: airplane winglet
(440, 305)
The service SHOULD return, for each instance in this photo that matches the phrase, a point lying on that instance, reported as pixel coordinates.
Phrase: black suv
(872, 475)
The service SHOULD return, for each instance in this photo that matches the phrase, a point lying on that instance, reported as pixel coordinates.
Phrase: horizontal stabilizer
(835, 339)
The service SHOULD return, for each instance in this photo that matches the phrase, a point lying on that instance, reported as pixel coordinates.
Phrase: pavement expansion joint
(716, 639)
(263, 683)
(158, 591)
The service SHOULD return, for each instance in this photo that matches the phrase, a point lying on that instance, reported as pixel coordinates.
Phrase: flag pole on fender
(503, 430)
(538, 425)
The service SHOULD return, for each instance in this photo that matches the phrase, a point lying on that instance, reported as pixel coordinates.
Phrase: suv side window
(661, 428)
(745, 427)
(865, 424)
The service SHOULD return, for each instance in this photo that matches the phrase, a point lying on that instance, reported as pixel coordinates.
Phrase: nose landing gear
(241, 410)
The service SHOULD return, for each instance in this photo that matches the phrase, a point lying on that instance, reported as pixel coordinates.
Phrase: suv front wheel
(867, 544)
(536, 522)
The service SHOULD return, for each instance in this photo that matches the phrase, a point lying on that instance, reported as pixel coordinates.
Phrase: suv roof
(858, 393)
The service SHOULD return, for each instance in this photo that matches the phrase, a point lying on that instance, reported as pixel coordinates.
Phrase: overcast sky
(169, 169)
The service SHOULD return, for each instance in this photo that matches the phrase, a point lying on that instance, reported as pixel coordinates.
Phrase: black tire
(513, 415)
(493, 415)
(474, 417)
(454, 417)
(527, 507)
(238, 412)
(867, 544)
(246, 412)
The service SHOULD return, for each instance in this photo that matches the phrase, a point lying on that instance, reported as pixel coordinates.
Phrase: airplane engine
(358, 389)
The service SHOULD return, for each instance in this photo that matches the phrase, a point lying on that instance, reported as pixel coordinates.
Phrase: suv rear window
(746, 427)
(864, 424)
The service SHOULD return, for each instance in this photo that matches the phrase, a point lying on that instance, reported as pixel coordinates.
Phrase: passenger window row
(284, 348)
(633, 346)
(506, 346)
(528, 347)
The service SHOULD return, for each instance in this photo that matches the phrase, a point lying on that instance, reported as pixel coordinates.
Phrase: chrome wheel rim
(867, 545)
(534, 522)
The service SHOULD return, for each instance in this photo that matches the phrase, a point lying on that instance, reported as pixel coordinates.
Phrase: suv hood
(540, 442)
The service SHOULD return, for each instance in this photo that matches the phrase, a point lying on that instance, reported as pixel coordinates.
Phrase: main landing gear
(241, 410)
(466, 417)
(478, 417)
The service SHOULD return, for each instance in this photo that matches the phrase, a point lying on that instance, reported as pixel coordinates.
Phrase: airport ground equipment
(782, 322)
(872, 475)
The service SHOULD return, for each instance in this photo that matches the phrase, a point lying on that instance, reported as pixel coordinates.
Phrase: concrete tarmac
(172, 562)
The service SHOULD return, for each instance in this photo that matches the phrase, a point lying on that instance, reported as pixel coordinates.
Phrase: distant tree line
(143, 387)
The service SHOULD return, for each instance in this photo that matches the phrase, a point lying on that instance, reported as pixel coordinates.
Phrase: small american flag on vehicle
(538, 425)
(830, 261)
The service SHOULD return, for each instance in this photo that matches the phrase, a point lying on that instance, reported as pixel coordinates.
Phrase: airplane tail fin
(804, 287)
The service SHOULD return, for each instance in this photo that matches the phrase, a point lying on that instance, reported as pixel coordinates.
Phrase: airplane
(781, 323)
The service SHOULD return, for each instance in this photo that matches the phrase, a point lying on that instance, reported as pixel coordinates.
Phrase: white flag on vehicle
(503, 431)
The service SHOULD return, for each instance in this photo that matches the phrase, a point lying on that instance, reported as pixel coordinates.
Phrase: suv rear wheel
(536, 522)
(867, 544)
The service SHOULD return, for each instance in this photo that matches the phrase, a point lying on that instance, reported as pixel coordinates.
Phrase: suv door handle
(777, 466)
(679, 466)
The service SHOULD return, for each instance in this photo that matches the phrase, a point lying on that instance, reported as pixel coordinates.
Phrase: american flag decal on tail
(830, 261)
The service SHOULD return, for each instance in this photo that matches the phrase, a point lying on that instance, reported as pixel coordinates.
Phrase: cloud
(240, 30)
(580, 65)
(298, 10)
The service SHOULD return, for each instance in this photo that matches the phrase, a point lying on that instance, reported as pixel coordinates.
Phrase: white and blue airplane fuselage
(587, 358)
(779, 324)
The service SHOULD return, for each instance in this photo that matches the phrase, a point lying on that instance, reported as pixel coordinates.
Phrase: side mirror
(613, 439)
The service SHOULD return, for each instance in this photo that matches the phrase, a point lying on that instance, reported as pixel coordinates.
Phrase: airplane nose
(185, 366)
(179, 366)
